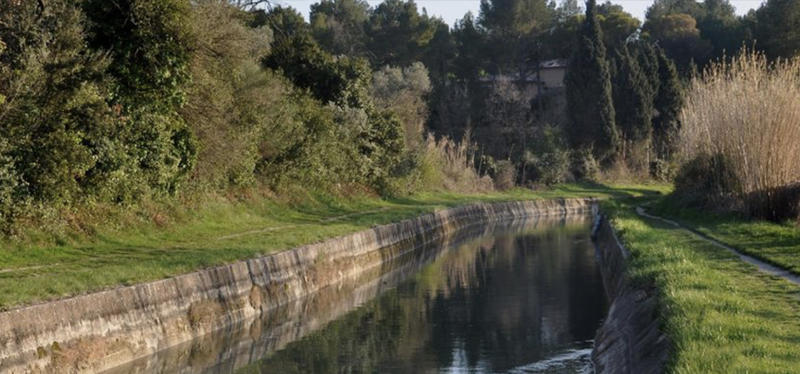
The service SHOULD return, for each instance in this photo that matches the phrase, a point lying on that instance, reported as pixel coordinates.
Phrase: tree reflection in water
(490, 305)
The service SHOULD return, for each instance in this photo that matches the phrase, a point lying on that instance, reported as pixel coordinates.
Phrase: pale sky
(451, 10)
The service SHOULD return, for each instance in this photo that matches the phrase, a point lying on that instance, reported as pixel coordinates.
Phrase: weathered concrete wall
(98, 331)
(630, 340)
(235, 347)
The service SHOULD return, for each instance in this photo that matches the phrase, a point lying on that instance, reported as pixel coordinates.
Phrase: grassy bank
(721, 314)
(778, 244)
(178, 240)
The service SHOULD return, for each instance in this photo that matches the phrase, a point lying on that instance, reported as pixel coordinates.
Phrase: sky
(451, 10)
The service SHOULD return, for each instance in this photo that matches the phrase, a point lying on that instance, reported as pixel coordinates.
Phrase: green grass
(721, 314)
(217, 232)
(778, 244)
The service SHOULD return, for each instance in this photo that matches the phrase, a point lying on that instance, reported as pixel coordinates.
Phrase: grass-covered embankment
(176, 240)
(778, 244)
(721, 314)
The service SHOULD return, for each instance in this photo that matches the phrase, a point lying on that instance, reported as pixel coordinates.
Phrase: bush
(63, 139)
(552, 167)
(585, 165)
(662, 170)
(149, 44)
(449, 165)
(506, 175)
(707, 181)
(742, 122)
(549, 160)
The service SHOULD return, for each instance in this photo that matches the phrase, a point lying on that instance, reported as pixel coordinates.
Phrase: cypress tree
(647, 59)
(589, 102)
(668, 102)
(633, 100)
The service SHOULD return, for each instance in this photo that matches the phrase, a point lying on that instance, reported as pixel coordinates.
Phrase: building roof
(554, 64)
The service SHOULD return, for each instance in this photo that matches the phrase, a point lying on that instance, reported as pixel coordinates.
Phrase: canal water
(511, 298)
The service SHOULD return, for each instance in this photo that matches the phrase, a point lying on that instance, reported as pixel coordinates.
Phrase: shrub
(449, 165)
(585, 165)
(549, 159)
(743, 117)
(61, 136)
(149, 44)
(506, 175)
(707, 181)
(552, 167)
(662, 170)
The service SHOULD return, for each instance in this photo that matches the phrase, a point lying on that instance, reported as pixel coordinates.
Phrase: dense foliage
(116, 102)
(590, 108)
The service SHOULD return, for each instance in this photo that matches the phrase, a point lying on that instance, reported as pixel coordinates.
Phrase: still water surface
(519, 298)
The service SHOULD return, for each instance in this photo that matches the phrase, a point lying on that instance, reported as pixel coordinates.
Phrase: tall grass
(742, 117)
(450, 165)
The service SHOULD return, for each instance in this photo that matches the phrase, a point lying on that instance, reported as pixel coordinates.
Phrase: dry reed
(450, 165)
(746, 112)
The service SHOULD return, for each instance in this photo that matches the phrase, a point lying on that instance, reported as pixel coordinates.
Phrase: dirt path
(761, 265)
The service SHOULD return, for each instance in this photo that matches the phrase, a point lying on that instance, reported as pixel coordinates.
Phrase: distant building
(548, 79)
(552, 73)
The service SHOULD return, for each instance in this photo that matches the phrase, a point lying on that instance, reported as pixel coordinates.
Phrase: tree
(403, 91)
(647, 59)
(470, 40)
(149, 43)
(341, 80)
(562, 37)
(617, 25)
(343, 83)
(633, 104)
(718, 29)
(338, 25)
(589, 102)
(680, 38)
(439, 54)
(398, 33)
(568, 9)
(661, 8)
(514, 29)
(668, 103)
(720, 26)
(217, 104)
(778, 29)
(61, 139)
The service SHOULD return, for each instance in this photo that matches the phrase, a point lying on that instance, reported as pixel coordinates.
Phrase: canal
(521, 297)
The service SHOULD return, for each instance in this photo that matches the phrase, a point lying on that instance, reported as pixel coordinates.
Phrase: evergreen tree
(668, 102)
(470, 41)
(398, 33)
(633, 102)
(589, 102)
(646, 57)
(515, 30)
(338, 26)
(778, 28)
(617, 25)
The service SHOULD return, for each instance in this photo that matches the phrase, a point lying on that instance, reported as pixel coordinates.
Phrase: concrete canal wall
(630, 339)
(103, 330)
